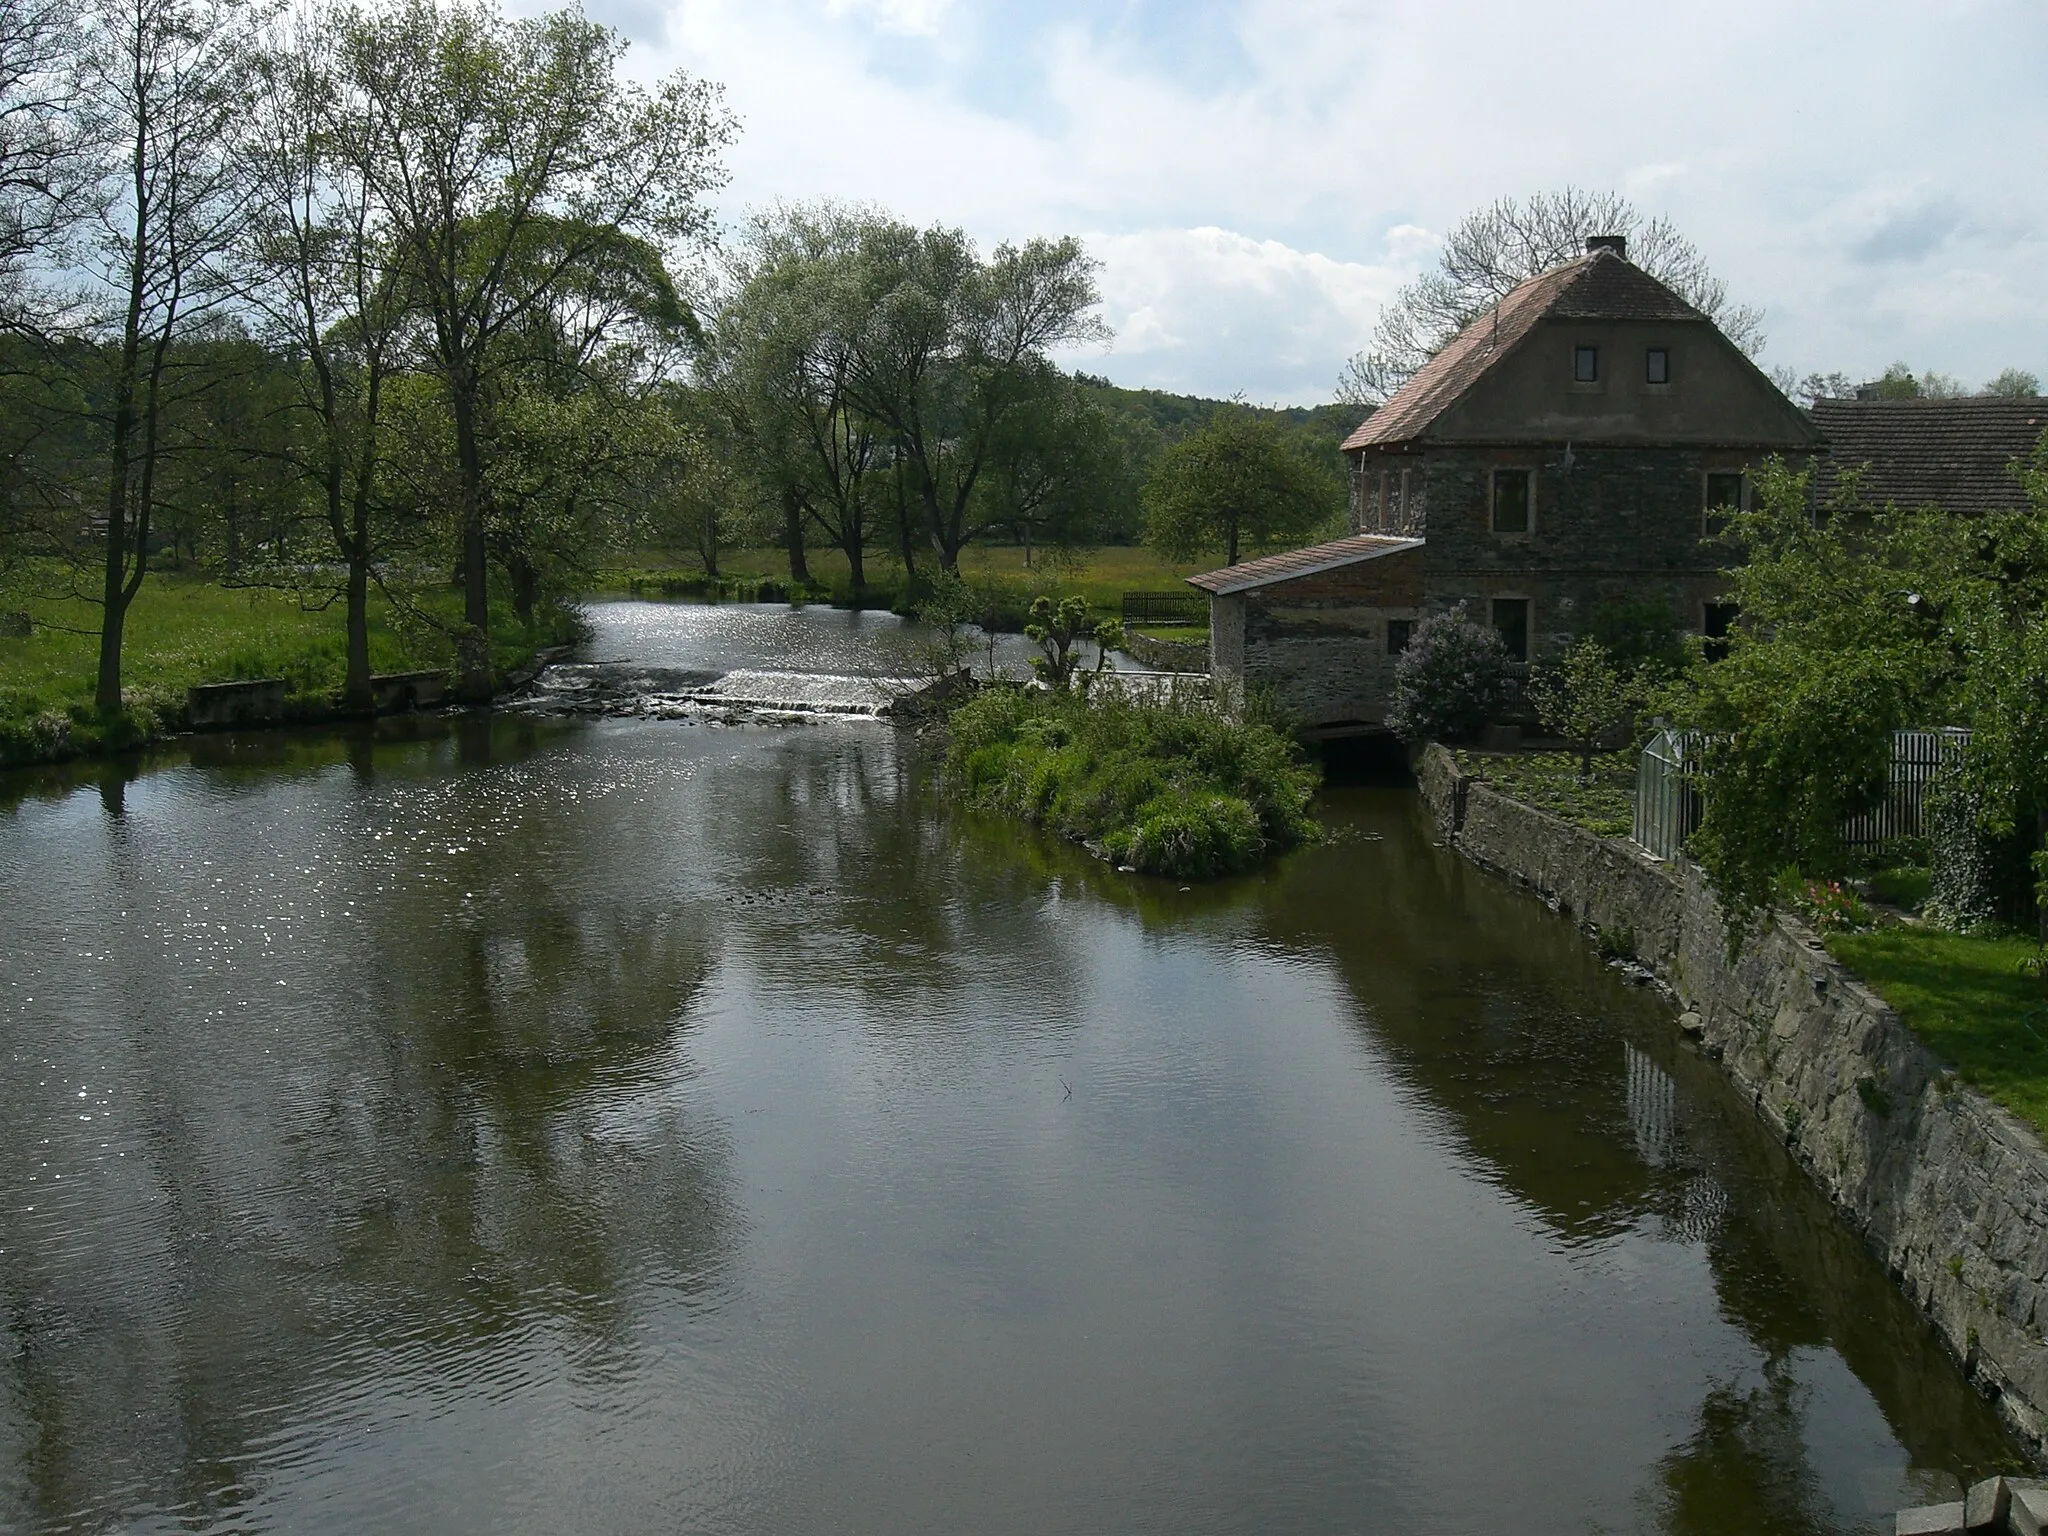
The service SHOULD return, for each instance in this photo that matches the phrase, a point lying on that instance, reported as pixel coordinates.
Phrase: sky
(1257, 177)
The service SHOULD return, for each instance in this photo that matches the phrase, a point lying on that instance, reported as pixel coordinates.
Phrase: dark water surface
(522, 1126)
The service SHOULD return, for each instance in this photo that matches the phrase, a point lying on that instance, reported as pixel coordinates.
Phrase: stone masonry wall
(1618, 523)
(1320, 642)
(1950, 1191)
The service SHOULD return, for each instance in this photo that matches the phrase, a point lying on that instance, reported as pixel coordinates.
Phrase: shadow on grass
(1968, 1000)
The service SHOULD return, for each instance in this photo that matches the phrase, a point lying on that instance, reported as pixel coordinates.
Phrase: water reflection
(506, 1125)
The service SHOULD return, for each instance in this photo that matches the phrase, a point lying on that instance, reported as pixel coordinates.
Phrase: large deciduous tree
(160, 85)
(1496, 247)
(1237, 483)
(951, 349)
(510, 157)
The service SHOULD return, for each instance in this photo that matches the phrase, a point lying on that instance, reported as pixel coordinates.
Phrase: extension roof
(1600, 285)
(1954, 454)
(1312, 561)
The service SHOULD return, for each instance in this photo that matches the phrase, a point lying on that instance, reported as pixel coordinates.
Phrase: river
(503, 1123)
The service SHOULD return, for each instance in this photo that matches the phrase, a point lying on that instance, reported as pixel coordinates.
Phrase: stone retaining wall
(1949, 1190)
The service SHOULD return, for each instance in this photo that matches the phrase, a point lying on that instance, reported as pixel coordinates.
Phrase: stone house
(1571, 447)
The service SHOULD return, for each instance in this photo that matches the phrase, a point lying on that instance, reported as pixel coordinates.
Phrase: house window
(1511, 618)
(1404, 498)
(1399, 632)
(1586, 365)
(1657, 365)
(1717, 620)
(1724, 496)
(1514, 500)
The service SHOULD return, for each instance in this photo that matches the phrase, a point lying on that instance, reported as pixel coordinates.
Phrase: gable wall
(1715, 394)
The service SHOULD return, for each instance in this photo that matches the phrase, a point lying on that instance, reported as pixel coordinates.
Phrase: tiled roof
(1300, 562)
(1599, 286)
(1947, 453)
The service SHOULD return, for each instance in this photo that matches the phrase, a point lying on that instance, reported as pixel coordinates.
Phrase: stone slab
(1930, 1520)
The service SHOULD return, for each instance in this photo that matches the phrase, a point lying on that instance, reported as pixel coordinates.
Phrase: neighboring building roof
(1954, 454)
(1598, 286)
(1312, 561)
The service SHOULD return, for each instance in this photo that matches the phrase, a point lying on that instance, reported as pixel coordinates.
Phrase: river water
(509, 1124)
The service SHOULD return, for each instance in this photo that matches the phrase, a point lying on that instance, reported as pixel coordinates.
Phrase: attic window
(1657, 365)
(1586, 365)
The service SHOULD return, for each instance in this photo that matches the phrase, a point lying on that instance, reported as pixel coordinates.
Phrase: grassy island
(1169, 786)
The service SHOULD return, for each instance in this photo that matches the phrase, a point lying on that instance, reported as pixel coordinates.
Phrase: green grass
(1967, 999)
(1101, 575)
(1549, 781)
(184, 631)
(1168, 787)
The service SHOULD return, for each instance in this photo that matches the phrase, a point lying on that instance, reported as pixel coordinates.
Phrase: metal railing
(1667, 808)
(1183, 607)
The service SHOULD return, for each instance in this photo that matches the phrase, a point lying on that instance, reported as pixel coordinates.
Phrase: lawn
(182, 631)
(1967, 999)
(1550, 782)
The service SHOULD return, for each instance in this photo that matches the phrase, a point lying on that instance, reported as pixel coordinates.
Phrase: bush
(1451, 681)
(1171, 787)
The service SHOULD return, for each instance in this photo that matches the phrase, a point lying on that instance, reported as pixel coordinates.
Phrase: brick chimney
(1615, 243)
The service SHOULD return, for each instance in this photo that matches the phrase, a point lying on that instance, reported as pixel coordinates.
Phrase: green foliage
(1584, 696)
(1170, 787)
(1641, 634)
(1057, 630)
(2014, 383)
(1238, 483)
(1905, 885)
(1451, 681)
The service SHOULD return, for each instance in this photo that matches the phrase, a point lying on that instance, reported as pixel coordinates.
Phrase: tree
(1238, 481)
(2015, 383)
(1058, 630)
(1583, 696)
(1059, 472)
(1898, 382)
(45, 165)
(1451, 681)
(1497, 247)
(509, 157)
(781, 361)
(318, 270)
(161, 84)
(952, 349)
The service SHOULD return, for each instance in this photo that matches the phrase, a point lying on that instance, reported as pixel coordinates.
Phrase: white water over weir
(629, 688)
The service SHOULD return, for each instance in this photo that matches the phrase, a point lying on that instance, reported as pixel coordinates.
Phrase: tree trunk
(793, 539)
(473, 649)
(1230, 542)
(525, 586)
(855, 565)
(1026, 525)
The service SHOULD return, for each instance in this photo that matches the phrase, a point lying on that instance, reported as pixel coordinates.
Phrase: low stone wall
(1949, 1190)
(1168, 655)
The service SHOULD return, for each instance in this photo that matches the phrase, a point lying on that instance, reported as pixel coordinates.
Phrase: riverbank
(185, 632)
(999, 577)
(1949, 1189)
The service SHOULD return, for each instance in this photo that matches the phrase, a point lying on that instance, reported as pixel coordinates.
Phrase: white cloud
(1212, 311)
(1794, 144)
(917, 18)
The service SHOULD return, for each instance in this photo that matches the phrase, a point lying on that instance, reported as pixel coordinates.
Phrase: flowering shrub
(1451, 680)
(1831, 909)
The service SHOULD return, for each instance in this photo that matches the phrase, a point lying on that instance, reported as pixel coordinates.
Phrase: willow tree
(512, 157)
